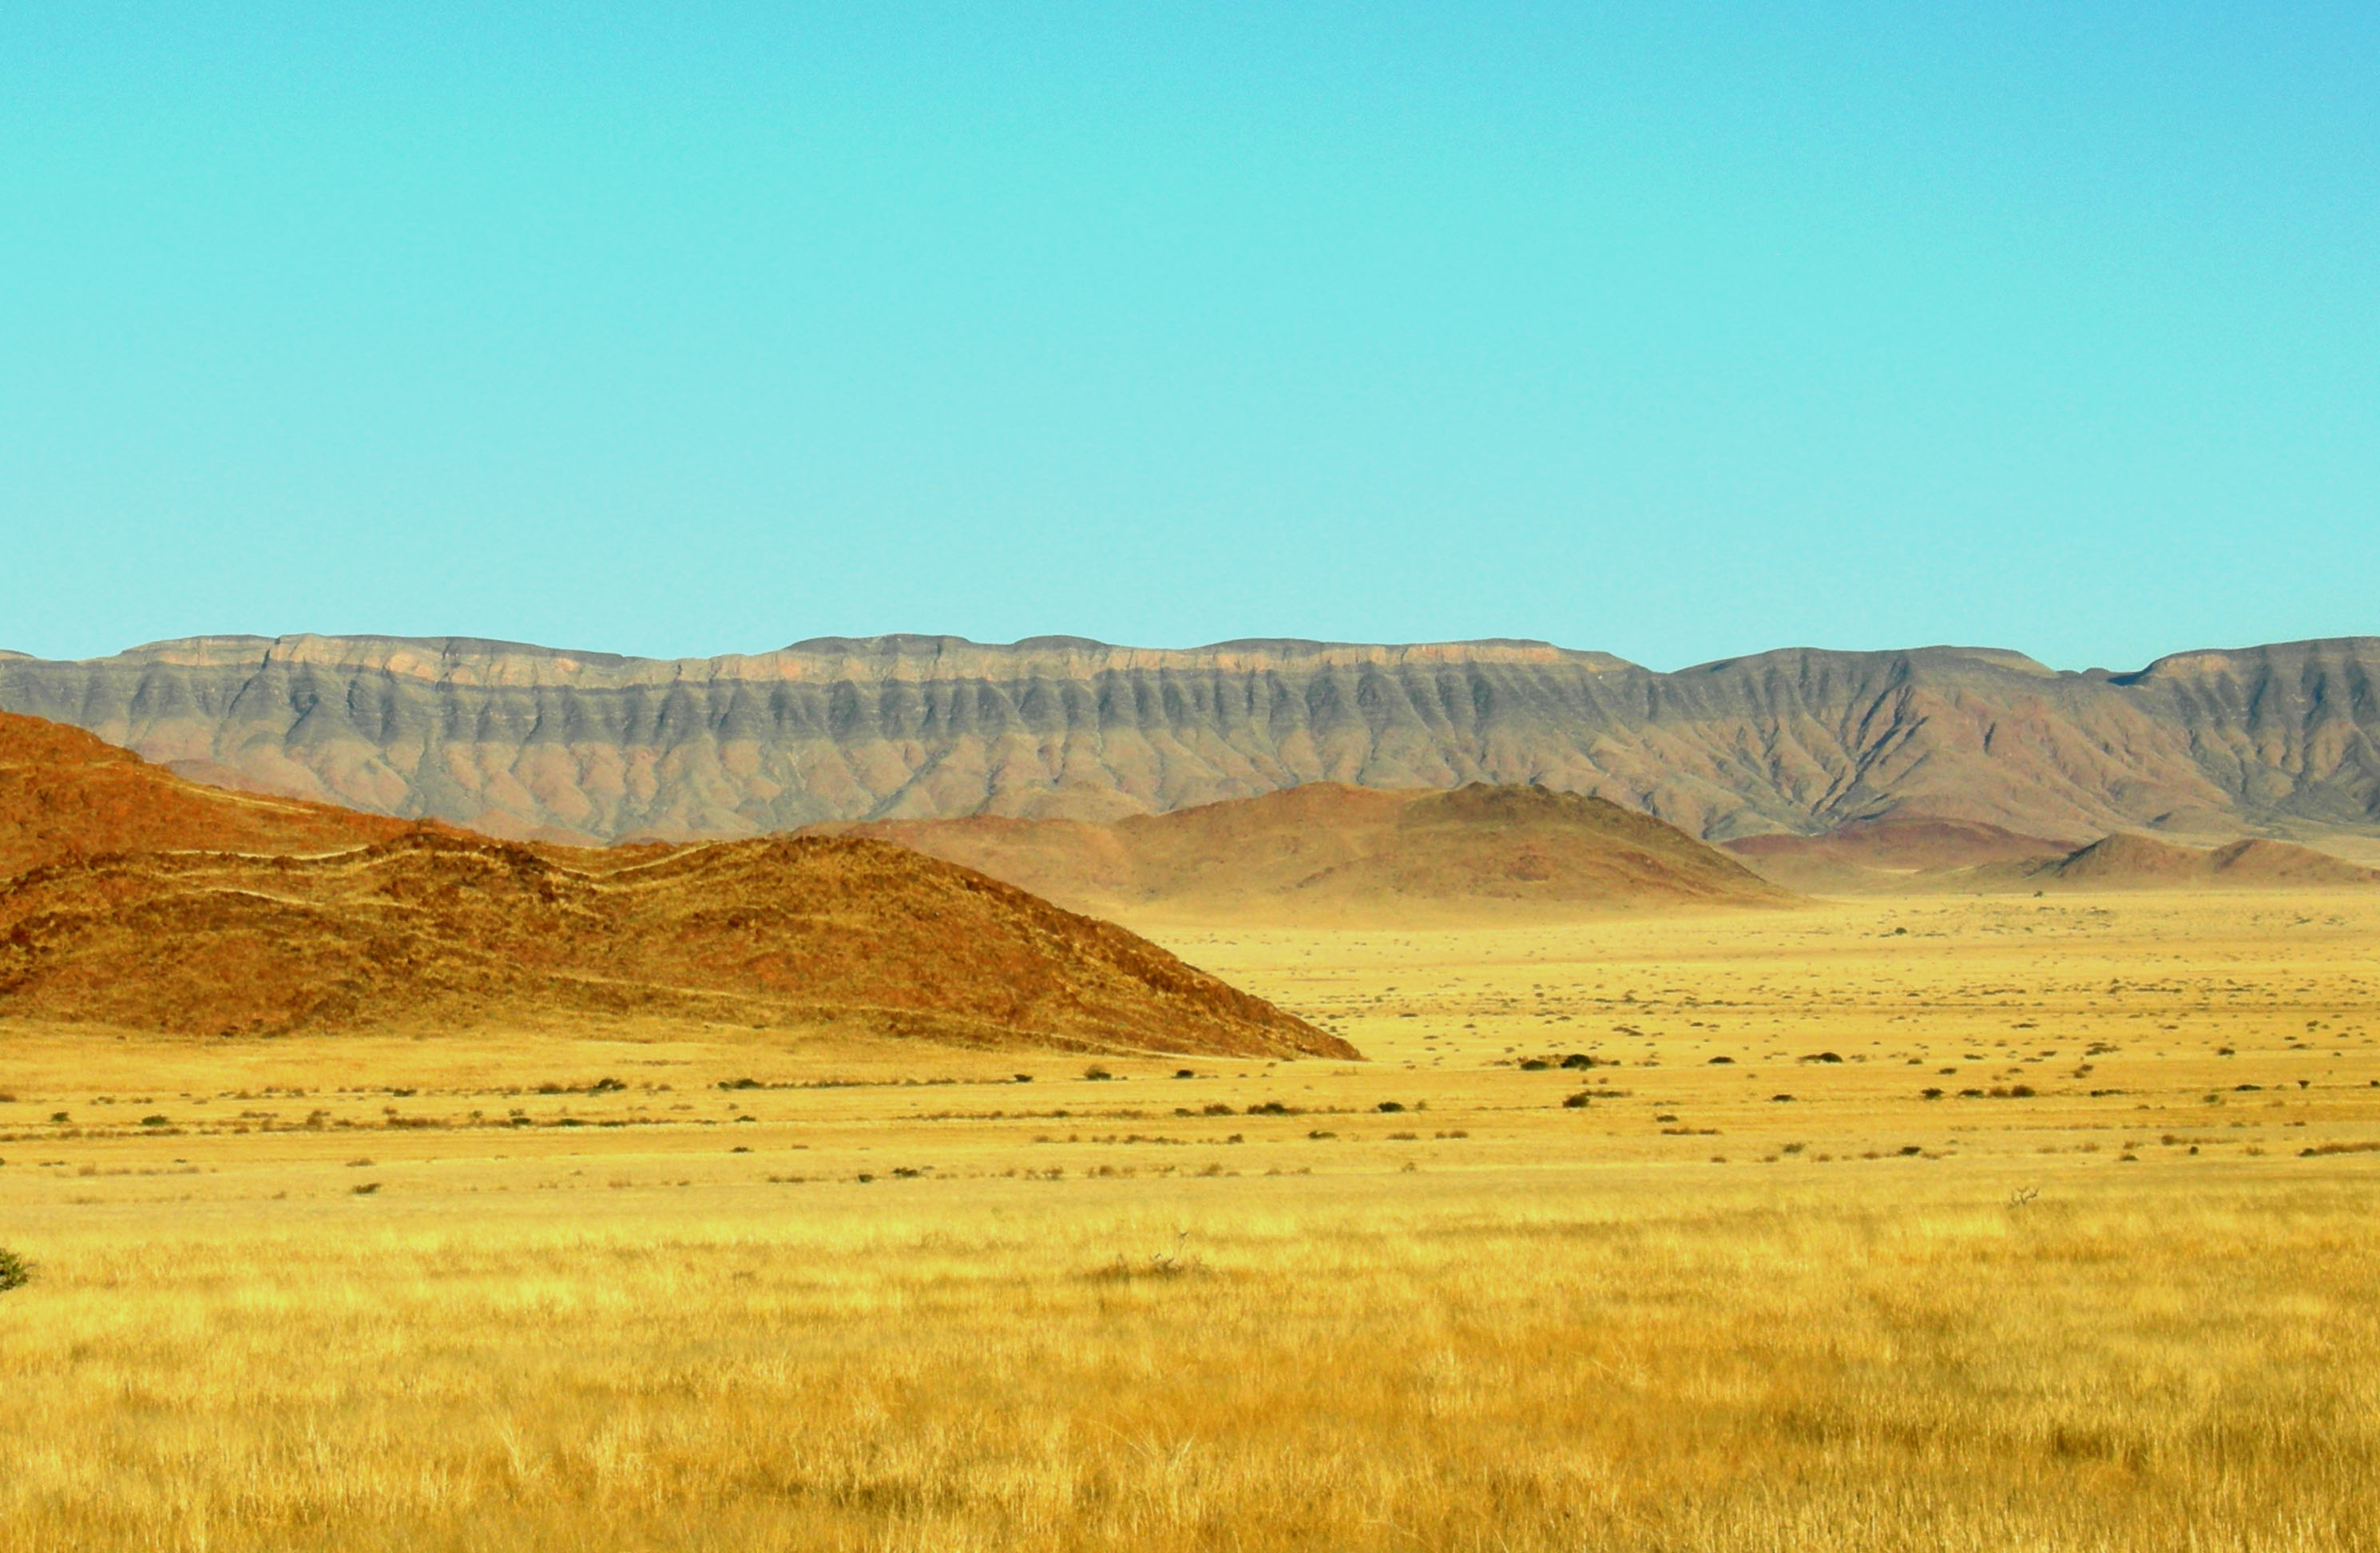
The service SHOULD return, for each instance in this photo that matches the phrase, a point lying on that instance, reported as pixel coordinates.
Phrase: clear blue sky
(704, 327)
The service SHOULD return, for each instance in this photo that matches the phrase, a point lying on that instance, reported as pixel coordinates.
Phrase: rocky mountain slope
(526, 742)
(64, 794)
(445, 932)
(1344, 851)
(131, 898)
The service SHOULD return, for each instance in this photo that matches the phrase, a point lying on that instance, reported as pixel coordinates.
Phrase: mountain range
(528, 742)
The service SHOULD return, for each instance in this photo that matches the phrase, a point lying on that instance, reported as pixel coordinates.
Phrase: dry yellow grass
(929, 1307)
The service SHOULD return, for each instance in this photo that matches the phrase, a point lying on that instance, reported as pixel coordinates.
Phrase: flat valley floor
(1917, 1223)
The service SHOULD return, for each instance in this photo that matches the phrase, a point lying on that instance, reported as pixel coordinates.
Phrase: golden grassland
(515, 1291)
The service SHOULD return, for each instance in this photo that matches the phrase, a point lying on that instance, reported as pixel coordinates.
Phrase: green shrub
(15, 1271)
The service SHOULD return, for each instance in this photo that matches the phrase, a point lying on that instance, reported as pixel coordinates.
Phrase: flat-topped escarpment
(530, 742)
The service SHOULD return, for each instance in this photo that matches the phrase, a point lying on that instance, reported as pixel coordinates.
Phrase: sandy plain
(2115, 1286)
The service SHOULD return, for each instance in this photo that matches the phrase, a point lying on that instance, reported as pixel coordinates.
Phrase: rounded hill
(131, 898)
(1349, 851)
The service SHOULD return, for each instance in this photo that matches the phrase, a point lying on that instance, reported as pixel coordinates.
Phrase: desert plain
(1933, 1221)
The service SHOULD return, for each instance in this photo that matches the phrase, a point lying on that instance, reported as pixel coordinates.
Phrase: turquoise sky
(1676, 331)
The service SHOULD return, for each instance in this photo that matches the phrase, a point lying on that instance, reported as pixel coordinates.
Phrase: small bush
(1097, 1072)
(1578, 1059)
(1575, 1102)
(1534, 1065)
(154, 1121)
(15, 1271)
(1391, 1106)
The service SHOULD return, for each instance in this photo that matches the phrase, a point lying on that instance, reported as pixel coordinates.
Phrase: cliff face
(525, 740)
